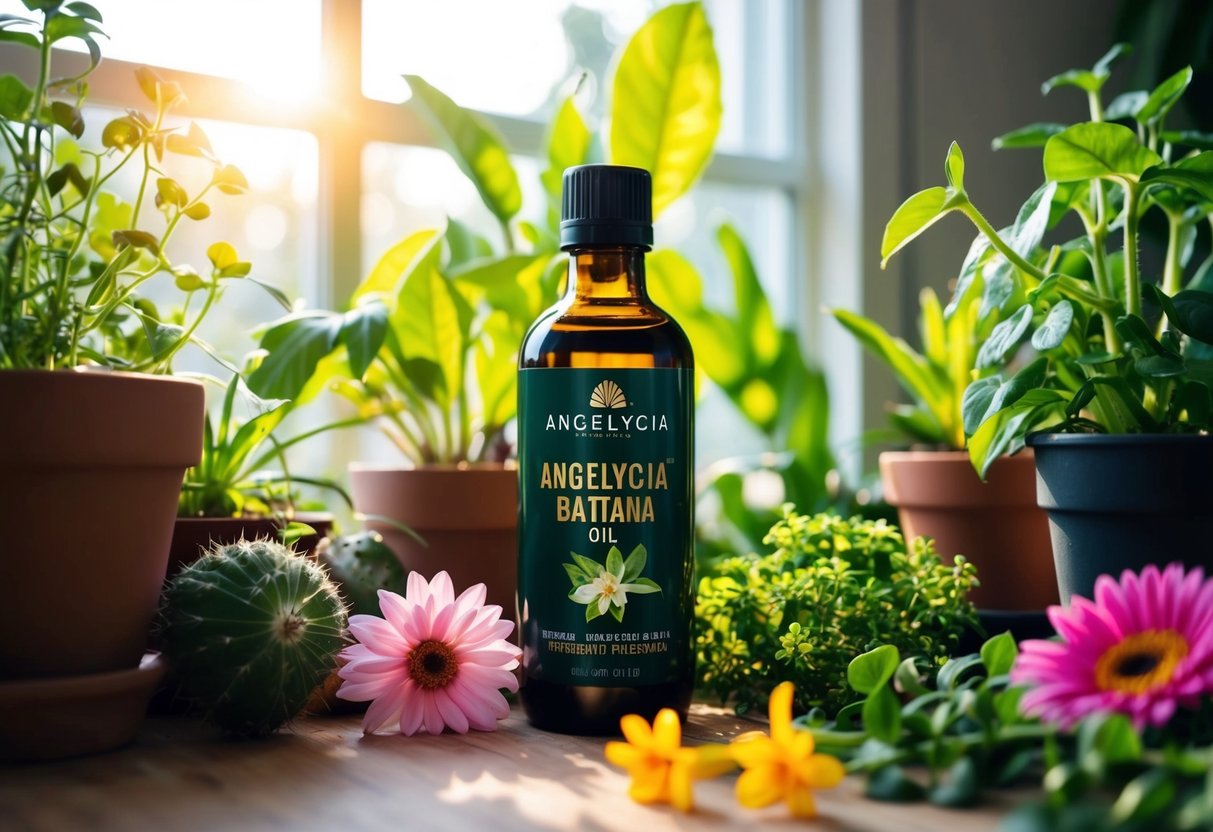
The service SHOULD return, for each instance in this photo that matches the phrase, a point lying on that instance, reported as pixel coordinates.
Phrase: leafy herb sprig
(949, 738)
(833, 587)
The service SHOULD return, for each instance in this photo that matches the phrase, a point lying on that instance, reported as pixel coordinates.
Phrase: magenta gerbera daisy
(433, 661)
(1144, 647)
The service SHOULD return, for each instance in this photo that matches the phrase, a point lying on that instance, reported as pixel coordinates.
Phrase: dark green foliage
(832, 588)
(363, 564)
(251, 629)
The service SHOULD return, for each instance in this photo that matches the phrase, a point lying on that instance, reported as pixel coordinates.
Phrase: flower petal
(682, 796)
(821, 771)
(452, 714)
(759, 787)
(413, 713)
(624, 755)
(432, 717)
(441, 589)
(384, 711)
(636, 730)
(754, 752)
(801, 803)
(585, 593)
(667, 731)
(418, 590)
(780, 712)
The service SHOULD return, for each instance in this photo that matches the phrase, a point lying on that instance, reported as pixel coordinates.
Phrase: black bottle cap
(606, 205)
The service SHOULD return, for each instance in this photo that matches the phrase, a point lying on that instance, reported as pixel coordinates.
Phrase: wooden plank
(323, 774)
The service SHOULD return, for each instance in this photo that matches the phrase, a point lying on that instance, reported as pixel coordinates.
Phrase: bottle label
(606, 524)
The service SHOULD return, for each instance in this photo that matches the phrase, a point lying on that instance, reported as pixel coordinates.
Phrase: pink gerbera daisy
(1143, 648)
(433, 661)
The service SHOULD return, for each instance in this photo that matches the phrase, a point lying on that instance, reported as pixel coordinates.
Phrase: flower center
(1142, 662)
(609, 585)
(433, 664)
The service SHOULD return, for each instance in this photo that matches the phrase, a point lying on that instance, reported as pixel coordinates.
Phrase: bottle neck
(607, 275)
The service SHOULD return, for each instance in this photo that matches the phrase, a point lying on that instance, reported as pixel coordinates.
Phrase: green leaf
(64, 115)
(1097, 151)
(1192, 174)
(1032, 221)
(911, 369)
(892, 784)
(614, 562)
(1146, 797)
(1164, 97)
(914, 216)
(474, 144)
(590, 567)
(1190, 311)
(15, 97)
(1190, 138)
(576, 575)
(676, 287)
(985, 397)
(634, 565)
(222, 255)
(882, 715)
(62, 26)
(962, 787)
(568, 145)
(433, 322)
(755, 321)
(295, 345)
(1056, 326)
(665, 101)
(385, 279)
(872, 670)
(644, 586)
(998, 654)
(1005, 338)
(954, 168)
(1032, 135)
(1090, 80)
(136, 239)
(1005, 430)
(616, 611)
(362, 331)
(169, 192)
(591, 611)
(1126, 105)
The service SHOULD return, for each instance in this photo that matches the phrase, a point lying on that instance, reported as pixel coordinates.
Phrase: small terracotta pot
(468, 517)
(193, 535)
(91, 464)
(996, 524)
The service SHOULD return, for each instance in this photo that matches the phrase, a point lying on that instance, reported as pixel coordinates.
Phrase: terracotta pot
(468, 517)
(193, 535)
(996, 524)
(90, 467)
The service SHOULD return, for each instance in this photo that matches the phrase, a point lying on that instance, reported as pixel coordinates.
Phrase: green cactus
(251, 629)
(363, 564)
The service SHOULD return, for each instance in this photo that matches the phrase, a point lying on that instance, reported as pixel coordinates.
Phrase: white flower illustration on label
(605, 589)
(608, 394)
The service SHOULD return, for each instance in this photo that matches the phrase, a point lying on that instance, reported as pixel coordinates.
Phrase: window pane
(520, 59)
(217, 37)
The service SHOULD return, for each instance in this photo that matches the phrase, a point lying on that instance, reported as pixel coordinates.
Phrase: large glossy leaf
(1056, 326)
(510, 284)
(665, 103)
(1032, 135)
(385, 279)
(496, 356)
(1164, 97)
(474, 145)
(1193, 174)
(756, 323)
(568, 145)
(1005, 338)
(676, 287)
(433, 323)
(295, 345)
(910, 368)
(1126, 105)
(362, 331)
(1006, 430)
(1096, 150)
(912, 217)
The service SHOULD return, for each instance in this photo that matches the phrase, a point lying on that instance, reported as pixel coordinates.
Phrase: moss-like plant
(832, 588)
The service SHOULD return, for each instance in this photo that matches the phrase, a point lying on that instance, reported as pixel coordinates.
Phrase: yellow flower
(783, 765)
(661, 769)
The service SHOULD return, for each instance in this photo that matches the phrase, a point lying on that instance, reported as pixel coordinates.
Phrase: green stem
(1172, 275)
(969, 210)
(1103, 286)
(1132, 278)
(1095, 106)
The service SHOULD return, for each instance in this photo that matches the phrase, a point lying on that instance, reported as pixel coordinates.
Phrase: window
(302, 95)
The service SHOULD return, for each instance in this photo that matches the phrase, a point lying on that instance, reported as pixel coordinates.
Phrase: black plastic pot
(1119, 502)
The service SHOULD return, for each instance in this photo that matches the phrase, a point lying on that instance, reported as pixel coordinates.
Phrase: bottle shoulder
(611, 329)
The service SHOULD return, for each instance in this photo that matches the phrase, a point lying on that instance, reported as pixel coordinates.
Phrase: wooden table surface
(322, 773)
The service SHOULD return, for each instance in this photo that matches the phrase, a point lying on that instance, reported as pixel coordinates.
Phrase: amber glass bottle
(606, 468)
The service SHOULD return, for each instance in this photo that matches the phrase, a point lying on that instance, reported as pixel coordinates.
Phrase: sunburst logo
(608, 395)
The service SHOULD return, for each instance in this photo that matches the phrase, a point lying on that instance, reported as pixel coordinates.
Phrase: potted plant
(96, 435)
(428, 344)
(996, 525)
(1118, 405)
(232, 494)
